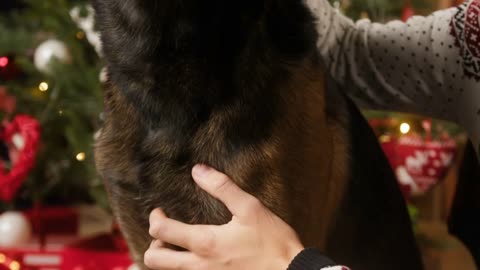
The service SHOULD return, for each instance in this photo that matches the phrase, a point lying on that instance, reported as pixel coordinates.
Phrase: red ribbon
(29, 129)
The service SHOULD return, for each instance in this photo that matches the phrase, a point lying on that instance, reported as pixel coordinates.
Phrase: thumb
(224, 189)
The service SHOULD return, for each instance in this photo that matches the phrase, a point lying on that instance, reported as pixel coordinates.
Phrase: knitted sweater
(428, 65)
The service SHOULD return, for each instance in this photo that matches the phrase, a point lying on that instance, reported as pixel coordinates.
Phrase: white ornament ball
(133, 267)
(48, 50)
(15, 229)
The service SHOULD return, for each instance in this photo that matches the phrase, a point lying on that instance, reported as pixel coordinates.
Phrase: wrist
(290, 253)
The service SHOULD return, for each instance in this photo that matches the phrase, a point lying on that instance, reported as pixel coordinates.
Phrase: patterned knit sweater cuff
(310, 259)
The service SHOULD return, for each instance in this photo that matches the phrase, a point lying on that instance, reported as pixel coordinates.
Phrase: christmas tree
(50, 69)
(381, 10)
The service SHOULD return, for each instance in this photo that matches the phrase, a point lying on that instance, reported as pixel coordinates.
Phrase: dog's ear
(291, 26)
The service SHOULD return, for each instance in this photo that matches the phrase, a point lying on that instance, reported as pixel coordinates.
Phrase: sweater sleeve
(311, 259)
(427, 65)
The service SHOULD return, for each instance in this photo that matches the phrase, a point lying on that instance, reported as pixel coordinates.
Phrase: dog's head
(177, 52)
(156, 32)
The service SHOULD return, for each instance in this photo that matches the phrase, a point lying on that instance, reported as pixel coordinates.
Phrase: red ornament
(4, 61)
(8, 69)
(23, 134)
(407, 11)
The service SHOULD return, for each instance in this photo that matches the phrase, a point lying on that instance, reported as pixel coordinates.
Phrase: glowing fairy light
(81, 156)
(14, 265)
(43, 86)
(405, 128)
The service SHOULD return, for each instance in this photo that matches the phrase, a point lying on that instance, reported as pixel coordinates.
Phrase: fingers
(217, 184)
(197, 238)
(156, 244)
(157, 214)
(162, 258)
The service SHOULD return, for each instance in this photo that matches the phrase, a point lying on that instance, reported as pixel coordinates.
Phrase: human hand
(255, 238)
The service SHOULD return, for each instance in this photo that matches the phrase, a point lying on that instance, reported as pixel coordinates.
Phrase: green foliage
(395, 119)
(69, 111)
(381, 10)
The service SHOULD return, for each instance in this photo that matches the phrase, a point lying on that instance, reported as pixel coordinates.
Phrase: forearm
(395, 66)
(428, 65)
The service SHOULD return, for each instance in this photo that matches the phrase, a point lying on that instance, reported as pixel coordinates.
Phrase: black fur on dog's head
(152, 47)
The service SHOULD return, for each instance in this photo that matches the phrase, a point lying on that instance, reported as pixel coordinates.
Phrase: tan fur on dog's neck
(317, 160)
(298, 173)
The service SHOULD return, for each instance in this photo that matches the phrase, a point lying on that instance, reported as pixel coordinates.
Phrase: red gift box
(54, 220)
(31, 256)
(57, 245)
(98, 253)
(102, 252)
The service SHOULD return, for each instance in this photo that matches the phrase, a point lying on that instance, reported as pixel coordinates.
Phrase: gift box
(54, 220)
(101, 252)
(68, 239)
(34, 256)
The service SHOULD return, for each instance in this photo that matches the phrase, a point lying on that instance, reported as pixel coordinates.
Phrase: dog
(239, 85)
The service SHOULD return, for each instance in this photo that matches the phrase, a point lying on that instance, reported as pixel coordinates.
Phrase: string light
(385, 138)
(60, 112)
(404, 128)
(4, 61)
(14, 265)
(3, 258)
(81, 156)
(43, 86)
(80, 35)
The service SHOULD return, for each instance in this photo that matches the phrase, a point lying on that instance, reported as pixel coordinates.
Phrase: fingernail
(201, 170)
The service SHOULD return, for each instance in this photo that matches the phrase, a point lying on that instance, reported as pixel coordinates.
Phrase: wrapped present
(54, 220)
(8, 263)
(101, 252)
(69, 238)
(35, 256)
